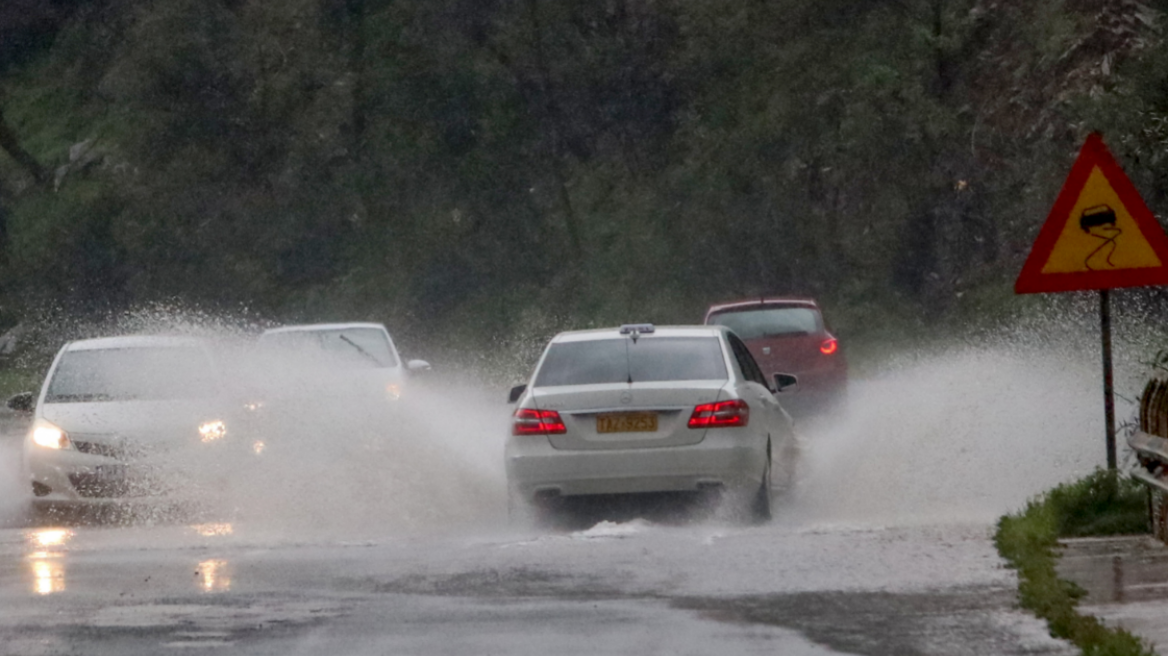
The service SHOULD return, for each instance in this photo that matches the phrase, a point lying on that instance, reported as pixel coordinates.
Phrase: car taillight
(829, 346)
(527, 421)
(720, 414)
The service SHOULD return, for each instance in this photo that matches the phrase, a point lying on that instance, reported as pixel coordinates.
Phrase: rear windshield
(622, 360)
(770, 322)
(350, 348)
(148, 373)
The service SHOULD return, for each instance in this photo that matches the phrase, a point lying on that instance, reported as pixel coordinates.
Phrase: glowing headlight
(209, 431)
(253, 406)
(393, 390)
(50, 437)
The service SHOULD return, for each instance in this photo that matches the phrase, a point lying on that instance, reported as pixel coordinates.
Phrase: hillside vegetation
(466, 169)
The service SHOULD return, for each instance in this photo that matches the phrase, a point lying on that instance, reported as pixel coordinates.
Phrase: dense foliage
(484, 166)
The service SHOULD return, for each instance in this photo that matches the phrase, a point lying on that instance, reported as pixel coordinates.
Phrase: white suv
(357, 360)
(121, 417)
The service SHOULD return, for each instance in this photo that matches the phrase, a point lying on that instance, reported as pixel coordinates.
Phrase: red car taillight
(720, 415)
(829, 346)
(527, 421)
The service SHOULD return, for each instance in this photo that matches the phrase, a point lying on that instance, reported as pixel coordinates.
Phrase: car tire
(521, 513)
(837, 406)
(760, 505)
(788, 464)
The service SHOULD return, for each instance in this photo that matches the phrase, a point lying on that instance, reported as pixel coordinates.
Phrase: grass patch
(1104, 503)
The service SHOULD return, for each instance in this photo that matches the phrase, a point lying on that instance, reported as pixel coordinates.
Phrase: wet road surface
(884, 546)
(615, 588)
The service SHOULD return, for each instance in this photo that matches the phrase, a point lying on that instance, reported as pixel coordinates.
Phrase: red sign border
(1093, 154)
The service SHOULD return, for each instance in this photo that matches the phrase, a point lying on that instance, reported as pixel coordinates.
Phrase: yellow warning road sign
(1099, 234)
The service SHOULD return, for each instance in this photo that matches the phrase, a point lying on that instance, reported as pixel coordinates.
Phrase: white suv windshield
(769, 322)
(348, 347)
(122, 374)
(649, 359)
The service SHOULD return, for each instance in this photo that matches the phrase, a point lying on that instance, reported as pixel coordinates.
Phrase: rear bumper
(722, 459)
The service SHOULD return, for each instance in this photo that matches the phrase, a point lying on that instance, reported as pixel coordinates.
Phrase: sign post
(1108, 386)
(1099, 235)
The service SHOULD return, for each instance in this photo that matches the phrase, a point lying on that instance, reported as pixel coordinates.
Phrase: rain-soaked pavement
(622, 588)
(884, 547)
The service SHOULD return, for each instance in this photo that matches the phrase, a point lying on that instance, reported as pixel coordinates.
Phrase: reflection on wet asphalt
(47, 558)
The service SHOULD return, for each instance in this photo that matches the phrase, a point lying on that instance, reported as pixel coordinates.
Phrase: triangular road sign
(1099, 234)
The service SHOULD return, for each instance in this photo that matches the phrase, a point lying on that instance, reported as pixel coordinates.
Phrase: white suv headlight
(210, 431)
(50, 437)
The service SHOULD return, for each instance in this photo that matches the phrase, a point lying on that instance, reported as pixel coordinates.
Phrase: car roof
(310, 327)
(134, 341)
(760, 301)
(658, 331)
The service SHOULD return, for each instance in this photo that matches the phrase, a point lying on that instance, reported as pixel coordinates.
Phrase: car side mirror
(785, 382)
(516, 392)
(418, 365)
(22, 403)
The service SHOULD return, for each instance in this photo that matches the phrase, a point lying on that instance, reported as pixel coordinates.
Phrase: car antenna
(629, 359)
(634, 331)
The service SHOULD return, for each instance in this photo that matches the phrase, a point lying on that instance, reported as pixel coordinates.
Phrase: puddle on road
(1116, 570)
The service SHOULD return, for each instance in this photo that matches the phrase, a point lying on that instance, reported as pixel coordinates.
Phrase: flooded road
(883, 547)
(628, 588)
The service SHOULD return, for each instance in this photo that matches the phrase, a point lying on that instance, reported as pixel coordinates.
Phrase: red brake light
(721, 414)
(829, 346)
(527, 421)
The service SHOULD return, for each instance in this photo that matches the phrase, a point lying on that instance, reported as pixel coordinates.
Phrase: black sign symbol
(1099, 221)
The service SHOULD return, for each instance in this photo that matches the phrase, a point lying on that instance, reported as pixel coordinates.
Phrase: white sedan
(647, 409)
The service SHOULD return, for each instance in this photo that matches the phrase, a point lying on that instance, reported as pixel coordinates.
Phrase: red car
(788, 335)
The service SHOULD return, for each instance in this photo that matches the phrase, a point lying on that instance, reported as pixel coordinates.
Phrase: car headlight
(50, 437)
(209, 431)
(393, 391)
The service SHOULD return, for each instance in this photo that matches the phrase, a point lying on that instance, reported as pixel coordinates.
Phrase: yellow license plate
(627, 422)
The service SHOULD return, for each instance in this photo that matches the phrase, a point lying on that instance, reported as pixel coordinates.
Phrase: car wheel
(760, 507)
(837, 407)
(788, 464)
(522, 513)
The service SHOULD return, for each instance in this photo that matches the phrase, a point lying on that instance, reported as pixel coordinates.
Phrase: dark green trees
(470, 162)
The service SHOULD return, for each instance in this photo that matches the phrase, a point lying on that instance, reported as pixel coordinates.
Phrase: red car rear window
(770, 321)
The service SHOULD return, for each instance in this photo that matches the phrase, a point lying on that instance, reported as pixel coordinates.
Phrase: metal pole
(1108, 387)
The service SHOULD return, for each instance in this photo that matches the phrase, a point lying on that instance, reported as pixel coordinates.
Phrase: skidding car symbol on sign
(1099, 221)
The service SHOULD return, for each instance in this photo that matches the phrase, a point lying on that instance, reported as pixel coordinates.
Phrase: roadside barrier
(1150, 444)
